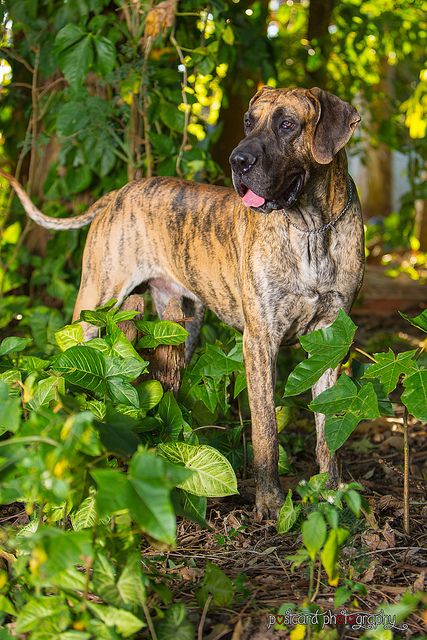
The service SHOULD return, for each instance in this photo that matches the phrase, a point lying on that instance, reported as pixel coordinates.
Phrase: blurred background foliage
(94, 93)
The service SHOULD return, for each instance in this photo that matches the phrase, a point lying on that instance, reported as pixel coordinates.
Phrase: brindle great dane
(275, 260)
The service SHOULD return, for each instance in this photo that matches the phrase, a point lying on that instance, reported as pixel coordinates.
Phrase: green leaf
(190, 506)
(160, 332)
(314, 533)
(354, 501)
(171, 117)
(127, 368)
(354, 405)
(85, 516)
(288, 514)
(70, 336)
(228, 35)
(46, 391)
(10, 410)
(130, 585)
(213, 475)
(13, 345)
(145, 493)
(329, 555)
(82, 366)
(125, 623)
(48, 612)
(175, 624)
(171, 416)
(105, 55)
(218, 584)
(150, 393)
(415, 395)
(389, 368)
(122, 392)
(342, 595)
(75, 53)
(419, 321)
(326, 348)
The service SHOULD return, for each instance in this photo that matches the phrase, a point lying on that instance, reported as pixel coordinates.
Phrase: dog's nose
(242, 161)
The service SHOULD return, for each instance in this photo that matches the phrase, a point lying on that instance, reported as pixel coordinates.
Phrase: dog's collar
(331, 224)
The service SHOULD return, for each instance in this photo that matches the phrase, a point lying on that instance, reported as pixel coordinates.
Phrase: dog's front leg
(327, 461)
(260, 358)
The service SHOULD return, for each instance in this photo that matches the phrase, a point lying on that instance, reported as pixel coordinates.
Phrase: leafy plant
(80, 430)
(323, 535)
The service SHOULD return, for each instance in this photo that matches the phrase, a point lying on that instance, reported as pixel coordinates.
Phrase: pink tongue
(251, 199)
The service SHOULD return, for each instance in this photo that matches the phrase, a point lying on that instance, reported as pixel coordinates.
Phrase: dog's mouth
(258, 202)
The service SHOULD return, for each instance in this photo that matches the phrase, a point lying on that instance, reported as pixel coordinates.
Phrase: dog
(275, 258)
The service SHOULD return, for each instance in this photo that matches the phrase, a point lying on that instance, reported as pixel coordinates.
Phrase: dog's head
(287, 133)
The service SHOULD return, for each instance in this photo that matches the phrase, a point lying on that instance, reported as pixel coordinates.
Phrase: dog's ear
(259, 93)
(336, 122)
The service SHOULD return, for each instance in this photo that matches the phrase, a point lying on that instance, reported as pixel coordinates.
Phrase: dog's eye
(287, 125)
(247, 123)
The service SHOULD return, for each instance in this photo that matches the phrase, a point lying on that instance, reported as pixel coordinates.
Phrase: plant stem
(310, 588)
(203, 618)
(365, 354)
(405, 473)
(316, 592)
(149, 621)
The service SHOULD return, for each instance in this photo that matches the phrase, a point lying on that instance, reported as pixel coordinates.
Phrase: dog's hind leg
(327, 461)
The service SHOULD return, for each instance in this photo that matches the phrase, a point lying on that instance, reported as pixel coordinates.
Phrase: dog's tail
(58, 223)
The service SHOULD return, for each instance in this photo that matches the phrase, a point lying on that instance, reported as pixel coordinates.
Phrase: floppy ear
(336, 122)
(259, 93)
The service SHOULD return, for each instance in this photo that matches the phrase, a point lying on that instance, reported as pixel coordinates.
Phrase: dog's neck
(325, 195)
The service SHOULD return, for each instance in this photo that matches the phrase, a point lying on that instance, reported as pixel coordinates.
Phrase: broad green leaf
(125, 623)
(47, 390)
(75, 53)
(358, 370)
(49, 612)
(342, 595)
(354, 501)
(10, 410)
(288, 514)
(85, 516)
(352, 406)
(239, 383)
(13, 345)
(175, 624)
(329, 555)
(314, 533)
(129, 584)
(326, 348)
(335, 399)
(127, 368)
(160, 332)
(171, 416)
(389, 368)
(419, 321)
(82, 366)
(122, 392)
(70, 336)
(104, 580)
(213, 475)
(218, 584)
(105, 55)
(31, 363)
(415, 395)
(150, 393)
(145, 493)
(190, 506)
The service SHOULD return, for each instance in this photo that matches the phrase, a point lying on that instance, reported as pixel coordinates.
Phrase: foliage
(98, 457)
(348, 402)
(322, 534)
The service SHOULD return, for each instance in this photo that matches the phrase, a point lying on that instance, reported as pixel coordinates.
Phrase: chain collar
(331, 224)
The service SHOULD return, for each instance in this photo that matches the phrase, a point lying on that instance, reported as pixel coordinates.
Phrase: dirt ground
(379, 555)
